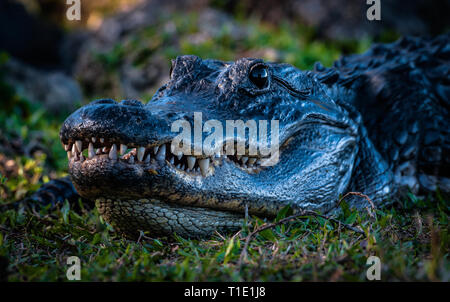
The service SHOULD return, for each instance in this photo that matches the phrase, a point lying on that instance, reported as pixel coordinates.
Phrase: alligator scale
(376, 123)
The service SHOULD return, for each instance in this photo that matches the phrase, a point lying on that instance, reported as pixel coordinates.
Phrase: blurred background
(49, 65)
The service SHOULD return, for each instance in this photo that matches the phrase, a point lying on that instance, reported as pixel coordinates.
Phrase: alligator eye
(259, 75)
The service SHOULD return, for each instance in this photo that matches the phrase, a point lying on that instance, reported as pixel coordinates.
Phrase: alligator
(375, 123)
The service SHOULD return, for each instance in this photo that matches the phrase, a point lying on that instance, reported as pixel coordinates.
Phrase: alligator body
(376, 123)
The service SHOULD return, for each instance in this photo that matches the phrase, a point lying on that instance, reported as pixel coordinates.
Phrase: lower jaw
(157, 218)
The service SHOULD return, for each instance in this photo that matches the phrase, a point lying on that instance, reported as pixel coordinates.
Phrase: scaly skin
(376, 123)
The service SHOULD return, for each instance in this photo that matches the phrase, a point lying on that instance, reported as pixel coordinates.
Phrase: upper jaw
(115, 123)
(135, 135)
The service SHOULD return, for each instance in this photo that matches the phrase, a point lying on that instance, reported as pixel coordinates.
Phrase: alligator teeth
(140, 153)
(191, 162)
(172, 149)
(204, 165)
(91, 152)
(113, 152)
(123, 149)
(79, 145)
(161, 153)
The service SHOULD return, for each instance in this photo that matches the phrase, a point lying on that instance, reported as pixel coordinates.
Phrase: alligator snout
(127, 122)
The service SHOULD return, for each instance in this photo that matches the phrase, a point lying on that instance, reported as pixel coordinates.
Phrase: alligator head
(120, 153)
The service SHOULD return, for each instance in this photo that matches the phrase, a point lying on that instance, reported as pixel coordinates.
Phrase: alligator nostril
(131, 103)
(103, 101)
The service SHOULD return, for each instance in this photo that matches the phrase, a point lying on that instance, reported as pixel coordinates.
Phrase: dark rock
(55, 90)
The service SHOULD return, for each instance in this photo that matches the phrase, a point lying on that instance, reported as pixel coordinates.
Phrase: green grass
(410, 237)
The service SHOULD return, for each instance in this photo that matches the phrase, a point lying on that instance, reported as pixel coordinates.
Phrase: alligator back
(402, 92)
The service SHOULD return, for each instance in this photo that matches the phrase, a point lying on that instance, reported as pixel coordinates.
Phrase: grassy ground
(410, 237)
